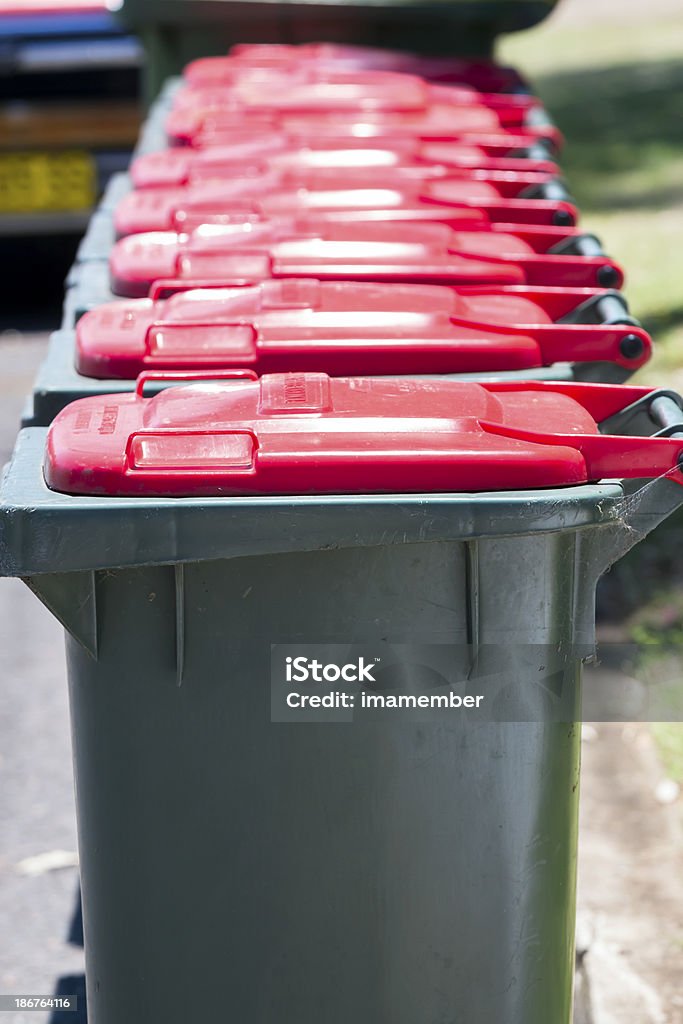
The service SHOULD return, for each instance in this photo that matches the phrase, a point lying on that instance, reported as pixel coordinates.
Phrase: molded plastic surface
(494, 196)
(466, 128)
(483, 75)
(331, 88)
(311, 91)
(278, 152)
(307, 433)
(341, 328)
(392, 101)
(433, 253)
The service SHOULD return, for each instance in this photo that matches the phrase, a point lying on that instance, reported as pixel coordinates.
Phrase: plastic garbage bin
(482, 74)
(405, 106)
(341, 328)
(244, 252)
(250, 251)
(422, 252)
(182, 166)
(306, 94)
(164, 168)
(479, 73)
(312, 91)
(174, 32)
(480, 198)
(239, 862)
(285, 324)
(241, 76)
(152, 170)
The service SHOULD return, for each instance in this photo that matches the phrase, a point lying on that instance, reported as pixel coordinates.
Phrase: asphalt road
(37, 814)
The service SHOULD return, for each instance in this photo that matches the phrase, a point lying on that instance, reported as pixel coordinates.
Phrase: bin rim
(47, 532)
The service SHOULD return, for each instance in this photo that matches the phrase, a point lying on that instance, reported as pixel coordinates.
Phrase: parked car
(69, 111)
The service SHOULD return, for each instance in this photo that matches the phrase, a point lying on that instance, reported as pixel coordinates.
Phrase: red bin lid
(429, 253)
(182, 166)
(307, 433)
(508, 198)
(310, 88)
(331, 88)
(480, 74)
(251, 252)
(308, 95)
(191, 127)
(312, 91)
(497, 142)
(339, 328)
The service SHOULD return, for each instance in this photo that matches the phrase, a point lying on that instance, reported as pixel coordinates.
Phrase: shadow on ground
(625, 145)
(667, 320)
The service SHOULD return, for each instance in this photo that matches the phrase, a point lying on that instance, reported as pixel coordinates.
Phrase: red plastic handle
(601, 401)
(166, 286)
(185, 327)
(208, 458)
(608, 456)
(180, 376)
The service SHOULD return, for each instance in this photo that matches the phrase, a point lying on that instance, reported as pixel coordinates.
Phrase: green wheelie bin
(252, 845)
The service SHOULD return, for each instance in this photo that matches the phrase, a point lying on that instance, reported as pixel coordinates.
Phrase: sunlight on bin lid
(435, 120)
(307, 97)
(253, 89)
(248, 252)
(498, 141)
(528, 197)
(342, 328)
(421, 252)
(309, 87)
(256, 156)
(187, 126)
(307, 433)
(530, 253)
(483, 75)
(250, 85)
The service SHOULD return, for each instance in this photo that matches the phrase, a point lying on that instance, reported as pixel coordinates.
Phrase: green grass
(669, 738)
(553, 47)
(616, 92)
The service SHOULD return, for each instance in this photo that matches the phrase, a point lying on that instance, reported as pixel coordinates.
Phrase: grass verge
(616, 92)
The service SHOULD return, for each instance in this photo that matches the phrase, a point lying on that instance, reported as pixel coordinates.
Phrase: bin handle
(626, 447)
(608, 456)
(171, 468)
(180, 376)
(165, 287)
(178, 326)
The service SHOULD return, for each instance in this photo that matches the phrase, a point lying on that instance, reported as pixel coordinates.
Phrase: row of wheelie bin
(319, 474)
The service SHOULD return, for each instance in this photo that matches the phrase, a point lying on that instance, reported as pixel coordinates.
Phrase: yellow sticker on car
(47, 181)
